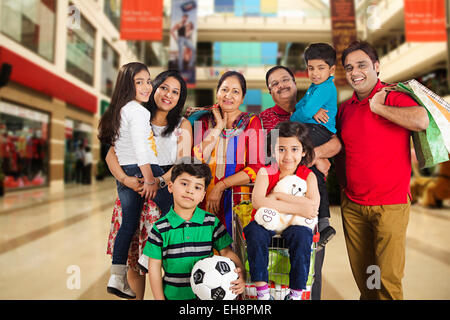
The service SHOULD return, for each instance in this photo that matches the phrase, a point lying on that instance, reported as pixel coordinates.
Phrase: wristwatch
(162, 182)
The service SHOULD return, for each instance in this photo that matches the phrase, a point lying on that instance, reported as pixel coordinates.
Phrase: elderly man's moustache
(283, 89)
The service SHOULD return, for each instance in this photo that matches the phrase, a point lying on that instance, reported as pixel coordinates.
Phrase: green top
(180, 244)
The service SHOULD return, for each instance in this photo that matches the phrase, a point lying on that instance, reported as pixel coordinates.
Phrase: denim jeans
(298, 240)
(132, 204)
(318, 135)
(324, 205)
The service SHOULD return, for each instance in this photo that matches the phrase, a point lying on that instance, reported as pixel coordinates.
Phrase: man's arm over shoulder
(400, 109)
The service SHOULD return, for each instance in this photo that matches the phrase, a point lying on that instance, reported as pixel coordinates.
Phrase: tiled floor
(53, 247)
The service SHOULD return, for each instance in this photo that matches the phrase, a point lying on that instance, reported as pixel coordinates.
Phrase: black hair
(187, 165)
(268, 73)
(288, 129)
(233, 74)
(363, 46)
(124, 92)
(321, 51)
(174, 115)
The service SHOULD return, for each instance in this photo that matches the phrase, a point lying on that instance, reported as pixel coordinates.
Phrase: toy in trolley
(279, 264)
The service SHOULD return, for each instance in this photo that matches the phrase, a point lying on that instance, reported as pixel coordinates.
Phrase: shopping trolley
(279, 264)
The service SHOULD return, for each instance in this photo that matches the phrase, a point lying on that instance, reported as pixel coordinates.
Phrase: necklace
(238, 126)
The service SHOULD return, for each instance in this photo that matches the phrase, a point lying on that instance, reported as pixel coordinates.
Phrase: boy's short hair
(321, 51)
(289, 129)
(200, 170)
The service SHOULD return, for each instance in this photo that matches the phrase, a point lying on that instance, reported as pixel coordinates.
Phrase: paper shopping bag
(429, 145)
(432, 145)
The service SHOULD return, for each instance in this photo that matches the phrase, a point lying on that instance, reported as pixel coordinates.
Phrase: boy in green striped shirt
(185, 235)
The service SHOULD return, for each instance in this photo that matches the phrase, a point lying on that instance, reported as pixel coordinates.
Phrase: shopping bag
(429, 146)
(244, 212)
(432, 145)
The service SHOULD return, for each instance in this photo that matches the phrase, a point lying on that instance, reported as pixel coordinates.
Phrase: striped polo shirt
(180, 244)
(273, 116)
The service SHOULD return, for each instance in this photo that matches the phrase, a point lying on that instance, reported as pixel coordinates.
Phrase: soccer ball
(211, 277)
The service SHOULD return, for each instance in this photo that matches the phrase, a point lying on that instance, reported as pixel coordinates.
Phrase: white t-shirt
(167, 146)
(87, 158)
(135, 144)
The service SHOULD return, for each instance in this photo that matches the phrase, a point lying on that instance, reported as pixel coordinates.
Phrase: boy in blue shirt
(319, 105)
(317, 110)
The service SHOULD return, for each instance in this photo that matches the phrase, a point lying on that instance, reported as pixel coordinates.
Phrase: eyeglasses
(275, 83)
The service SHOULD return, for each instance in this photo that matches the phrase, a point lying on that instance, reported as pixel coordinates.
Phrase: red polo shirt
(273, 173)
(377, 151)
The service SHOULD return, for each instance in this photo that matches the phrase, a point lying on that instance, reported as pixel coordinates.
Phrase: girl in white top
(173, 137)
(126, 125)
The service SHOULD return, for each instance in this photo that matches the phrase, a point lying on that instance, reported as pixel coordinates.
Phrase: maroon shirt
(272, 116)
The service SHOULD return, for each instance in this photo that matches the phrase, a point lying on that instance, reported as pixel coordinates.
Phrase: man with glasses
(282, 87)
(283, 90)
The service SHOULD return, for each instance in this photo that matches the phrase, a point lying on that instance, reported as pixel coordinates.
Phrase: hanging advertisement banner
(425, 21)
(141, 20)
(343, 30)
(183, 39)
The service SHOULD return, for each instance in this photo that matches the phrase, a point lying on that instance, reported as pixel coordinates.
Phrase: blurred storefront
(78, 136)
(64, 58)
(34, 106)
(23, 146)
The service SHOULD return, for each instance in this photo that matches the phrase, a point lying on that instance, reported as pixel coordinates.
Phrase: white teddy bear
(273, 220)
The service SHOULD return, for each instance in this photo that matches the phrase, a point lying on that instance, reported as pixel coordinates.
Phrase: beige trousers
(375, 237)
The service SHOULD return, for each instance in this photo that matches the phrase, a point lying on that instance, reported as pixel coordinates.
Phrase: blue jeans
(132, 204)
(318, 135)
(298, 240)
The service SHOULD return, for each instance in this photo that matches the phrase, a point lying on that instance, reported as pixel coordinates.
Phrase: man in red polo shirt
(375, 168)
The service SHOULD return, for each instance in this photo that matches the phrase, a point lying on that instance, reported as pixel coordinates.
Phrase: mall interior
(55, 216)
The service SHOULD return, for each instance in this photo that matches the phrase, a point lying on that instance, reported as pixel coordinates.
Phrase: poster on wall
(425, 21)
(141, 20)
(183, 39)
